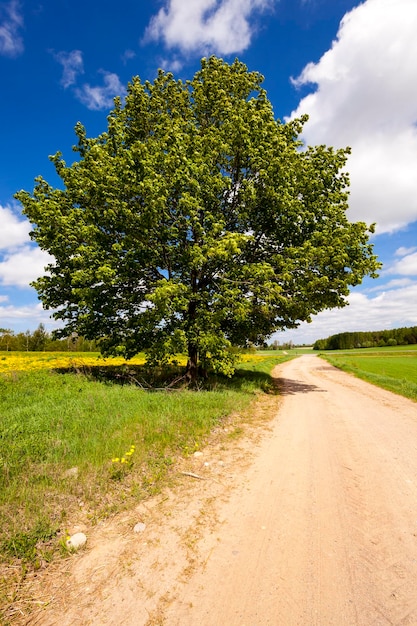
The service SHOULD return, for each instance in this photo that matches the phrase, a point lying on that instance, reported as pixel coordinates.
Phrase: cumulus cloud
(395, 283)
(21, 267)
(206, 26)
(391, 308)
(11, 22)
(366, 97)
(20, 318)
(13, 231)
(406, 266)
(101, 97)
(72, 66)
(95, 98)
(402, 251)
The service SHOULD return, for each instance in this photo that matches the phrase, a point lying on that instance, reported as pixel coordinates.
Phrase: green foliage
(196, 222)
(371, 339)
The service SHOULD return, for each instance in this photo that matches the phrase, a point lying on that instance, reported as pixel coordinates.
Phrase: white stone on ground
(139, 528)
(77, 541)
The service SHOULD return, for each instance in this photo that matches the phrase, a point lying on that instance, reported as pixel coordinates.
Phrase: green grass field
(89, 443)
(391, 368)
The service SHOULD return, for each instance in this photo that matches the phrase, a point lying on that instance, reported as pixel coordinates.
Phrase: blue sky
(350, 65)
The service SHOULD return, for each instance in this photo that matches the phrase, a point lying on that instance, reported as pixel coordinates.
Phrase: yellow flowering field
(25, 361)
(251, 358)
(29, 361)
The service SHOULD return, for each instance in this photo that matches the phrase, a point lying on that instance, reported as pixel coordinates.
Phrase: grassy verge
(82, 445)
(391, 369)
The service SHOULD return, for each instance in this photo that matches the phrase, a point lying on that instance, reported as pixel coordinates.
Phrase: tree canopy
(196, 221)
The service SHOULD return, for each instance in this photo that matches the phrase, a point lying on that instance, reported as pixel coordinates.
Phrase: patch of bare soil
(307, 520)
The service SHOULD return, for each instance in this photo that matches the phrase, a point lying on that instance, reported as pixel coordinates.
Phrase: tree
(6, 338)
(196, 221)
(39, 339)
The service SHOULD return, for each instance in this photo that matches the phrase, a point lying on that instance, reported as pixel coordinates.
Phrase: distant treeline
(374, 339)
(41, 341)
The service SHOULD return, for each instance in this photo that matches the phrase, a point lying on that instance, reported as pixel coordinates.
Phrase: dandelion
(125, 459)
(130, 452)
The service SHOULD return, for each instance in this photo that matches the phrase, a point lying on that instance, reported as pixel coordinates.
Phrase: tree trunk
(191, 373)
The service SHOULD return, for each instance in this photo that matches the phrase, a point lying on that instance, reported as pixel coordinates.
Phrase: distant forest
(41, 341)
(374, 339)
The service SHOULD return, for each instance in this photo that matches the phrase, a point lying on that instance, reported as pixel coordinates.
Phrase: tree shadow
(171, 378)
(142, 376)
(243, 380)
(289, 387)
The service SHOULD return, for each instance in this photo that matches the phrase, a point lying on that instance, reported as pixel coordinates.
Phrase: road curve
(322, 530)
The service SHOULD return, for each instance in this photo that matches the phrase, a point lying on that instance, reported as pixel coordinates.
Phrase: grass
(394, 369)
(84, 443)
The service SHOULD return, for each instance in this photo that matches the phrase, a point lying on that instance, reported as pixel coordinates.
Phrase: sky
(351, 66)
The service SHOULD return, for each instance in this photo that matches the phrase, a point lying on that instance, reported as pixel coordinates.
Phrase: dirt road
(312, 524)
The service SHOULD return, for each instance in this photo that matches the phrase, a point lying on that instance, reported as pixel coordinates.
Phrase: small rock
(77, 541)
(139, 528)
(198, 453)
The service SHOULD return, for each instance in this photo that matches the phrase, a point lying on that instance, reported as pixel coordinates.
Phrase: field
(394, 368)
(81, 438)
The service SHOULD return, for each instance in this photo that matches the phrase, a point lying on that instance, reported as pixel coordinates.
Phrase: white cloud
(406, 266)
(101, 97)
(13, 231)
(219, 26)
(402, 251)
(171, 65)
(72, 66)
(11, 21)
(366, 97)
(128, 55)
(393, 284)
(23, 266)
(95, 98)
(21, 318)
(393, 308)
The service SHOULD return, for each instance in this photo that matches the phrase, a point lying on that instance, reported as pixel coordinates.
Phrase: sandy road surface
(317, 528)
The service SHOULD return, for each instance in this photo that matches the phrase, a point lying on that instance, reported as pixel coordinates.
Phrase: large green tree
(196, 221)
